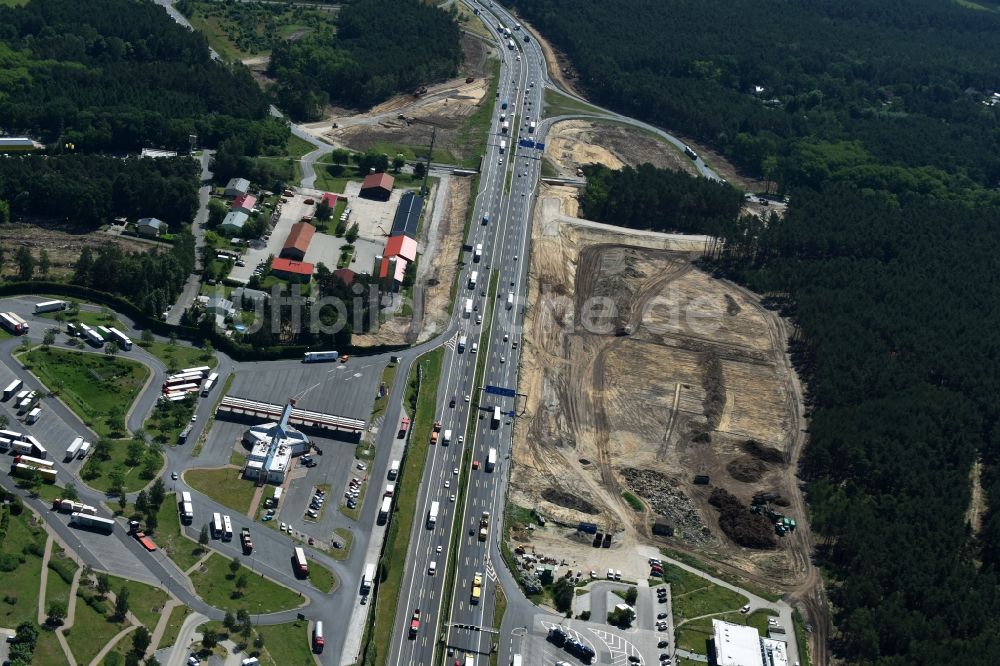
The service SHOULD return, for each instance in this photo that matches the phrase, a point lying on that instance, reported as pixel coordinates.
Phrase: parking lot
(291, 212)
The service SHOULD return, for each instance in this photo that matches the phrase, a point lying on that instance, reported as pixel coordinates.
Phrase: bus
(123, 340)
(203, 369)
(49, 306)
(320, 356)
(496, 418)
(217, 525)
(227, 528)
(301, 565)
(209, 383)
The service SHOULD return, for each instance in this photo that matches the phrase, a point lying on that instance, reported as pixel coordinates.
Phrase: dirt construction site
(641, 372)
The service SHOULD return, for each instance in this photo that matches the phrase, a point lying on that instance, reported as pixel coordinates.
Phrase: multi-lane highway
(509, 176)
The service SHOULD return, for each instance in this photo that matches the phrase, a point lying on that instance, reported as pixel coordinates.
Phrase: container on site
(393, 470)
(74, 448)
(12, 388)
(33, 415)
(84, 450)
(95, 523)
(432, 515)
(49, 306)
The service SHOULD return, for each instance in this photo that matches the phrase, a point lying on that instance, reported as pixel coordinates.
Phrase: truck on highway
(495, 423)
(531, 126)
(49, 306)
(491, 459)
(432, 515)
(477, 588)
(510, 300)
(415, 623)
(467, 310)
(690, 153)
(447, 437)
(477, 255)
(505, 127)
(95, 523)
(473, 278)
(246, 541)
(462, 340)
(209, 384)
(503, 146)
(484, 526)
(383, 511)
(368, 579)
(393, 470)
(12, 389)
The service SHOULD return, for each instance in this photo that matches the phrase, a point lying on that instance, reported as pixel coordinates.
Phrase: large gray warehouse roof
(407, 215)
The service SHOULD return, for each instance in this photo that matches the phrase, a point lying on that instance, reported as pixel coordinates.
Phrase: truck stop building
(737, 645)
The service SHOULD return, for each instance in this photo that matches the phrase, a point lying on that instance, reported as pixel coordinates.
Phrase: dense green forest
(381, 47)
(90, 190)
(872, 119)
(119, 75)
(650, 198)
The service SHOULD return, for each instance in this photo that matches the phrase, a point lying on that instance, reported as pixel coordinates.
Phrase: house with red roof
(377, 186)
(298, 241)
(291, 270)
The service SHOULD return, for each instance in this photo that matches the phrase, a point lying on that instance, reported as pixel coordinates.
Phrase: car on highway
(452, 403)
(503, 359)
(467, 397)
(438, 549)
(455, 471)
(194, 417)
(661, 616)
(453, 497)
(447, 483)
(461, 439)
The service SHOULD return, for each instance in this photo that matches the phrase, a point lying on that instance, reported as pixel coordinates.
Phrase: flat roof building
(407, 215)
(272, 446)
(377, 186)
(298, 241)
(18, 144)
(737, 645)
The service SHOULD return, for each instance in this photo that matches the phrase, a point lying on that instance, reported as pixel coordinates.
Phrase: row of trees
(885, 261)
(381, 47)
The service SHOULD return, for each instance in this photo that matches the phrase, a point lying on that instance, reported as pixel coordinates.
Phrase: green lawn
(321, 577)
(224, 485)
(174, 624)
(168, 537)
(145, 601)
(473, 133)
(168, 419)
(693, 596)
(19, 596)
(180, 355)
(98, 474)
(693, 561)
(47, 650)
(398, 535)
(88, 317)
(290, 642)
(214, 583)
(297, 147)
(92, 627)
(347, 538)
(98, 388)
(61, 570)
(692, 636)
(558, 104)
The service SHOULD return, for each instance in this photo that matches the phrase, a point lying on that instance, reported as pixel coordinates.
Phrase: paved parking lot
(374, 218)
(611, 645)
(291, 212)
(332, 388)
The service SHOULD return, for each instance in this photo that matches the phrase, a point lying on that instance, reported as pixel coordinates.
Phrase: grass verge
(107, 468)
(286, 644)
(145, 601)
(732, 579)
(693, 596)
(557, 104)
(224, 485)
(801, 639)
(422, 403)
(321, 578)
(174, 624)
(92, 627)
(217, 585)
(183, 551)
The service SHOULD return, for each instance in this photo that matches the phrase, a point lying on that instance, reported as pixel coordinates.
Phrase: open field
(103, 475)
(145, 601)
(25, 544)
(214, 583)
(184, 552)
(286, 644)
(224, 485)
(92, 626)
(576, 143)
(98, 388)
(63, 245)
(641, 372)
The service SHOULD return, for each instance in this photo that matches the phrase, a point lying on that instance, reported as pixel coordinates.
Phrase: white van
(475, 347)
(432, 568)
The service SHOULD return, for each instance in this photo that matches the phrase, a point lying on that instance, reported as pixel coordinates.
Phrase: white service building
(737, 645)
(272, 446)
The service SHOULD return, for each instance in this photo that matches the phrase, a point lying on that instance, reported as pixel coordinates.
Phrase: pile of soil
(746, 469)
(763, 452)
(751, 530)
(569, 501)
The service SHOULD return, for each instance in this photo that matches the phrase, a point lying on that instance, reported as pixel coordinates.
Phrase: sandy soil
(602, 407)
(574, 143)
(63, 246)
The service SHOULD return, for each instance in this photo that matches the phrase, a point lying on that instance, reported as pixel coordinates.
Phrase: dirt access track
(445, 106)
(701, 373)
(574, 143)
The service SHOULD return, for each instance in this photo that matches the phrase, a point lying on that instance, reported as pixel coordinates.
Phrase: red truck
(140, 536)
(415, 623)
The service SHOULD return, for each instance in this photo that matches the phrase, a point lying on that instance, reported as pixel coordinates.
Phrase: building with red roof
(244, 203)
(377, 186)
(298, 241)
(390, 272)
(293, 271)
(331, 199)
(401, 246)
(345, 275)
